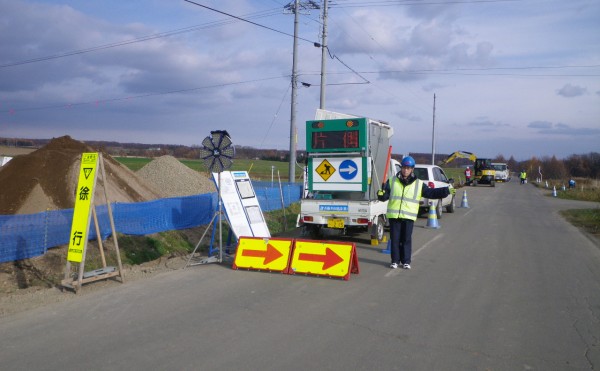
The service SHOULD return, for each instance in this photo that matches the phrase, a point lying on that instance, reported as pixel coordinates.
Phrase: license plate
(335, 223)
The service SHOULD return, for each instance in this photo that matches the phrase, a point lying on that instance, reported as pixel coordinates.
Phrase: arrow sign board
(324, 258)
(269, 254)
(338, 173)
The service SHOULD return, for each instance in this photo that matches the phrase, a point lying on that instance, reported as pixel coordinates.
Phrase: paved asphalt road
(504, 285)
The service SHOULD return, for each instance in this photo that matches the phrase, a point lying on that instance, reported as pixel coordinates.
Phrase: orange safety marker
(324, 258)
(268, 254)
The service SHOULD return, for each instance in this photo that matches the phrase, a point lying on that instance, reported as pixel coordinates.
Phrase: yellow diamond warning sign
(325, 170)
(271, 254)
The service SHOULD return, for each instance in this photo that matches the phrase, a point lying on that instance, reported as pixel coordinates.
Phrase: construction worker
(468, 175)
(523, 177)
(404, 190)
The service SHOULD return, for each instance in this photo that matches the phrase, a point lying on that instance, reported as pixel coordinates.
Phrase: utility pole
(323, 56)
(433, 135)
(295, 7)
(292, 170)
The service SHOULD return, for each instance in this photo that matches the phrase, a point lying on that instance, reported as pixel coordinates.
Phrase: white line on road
(428, 243)
(395, 272)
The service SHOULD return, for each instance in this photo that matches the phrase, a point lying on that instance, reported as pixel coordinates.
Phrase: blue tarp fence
(29, 235)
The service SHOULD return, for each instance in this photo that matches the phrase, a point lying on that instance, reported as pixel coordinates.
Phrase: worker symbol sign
(325, 170)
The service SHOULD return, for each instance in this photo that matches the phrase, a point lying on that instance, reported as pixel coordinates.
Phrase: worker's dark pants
(401, 240)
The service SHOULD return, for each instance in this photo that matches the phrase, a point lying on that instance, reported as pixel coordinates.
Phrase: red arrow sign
(329, 259)
(270, 254)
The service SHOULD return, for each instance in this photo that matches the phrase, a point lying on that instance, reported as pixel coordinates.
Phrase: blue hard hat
(408, 161)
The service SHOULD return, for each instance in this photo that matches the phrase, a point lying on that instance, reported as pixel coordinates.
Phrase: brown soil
(50, 175)
(46, 179)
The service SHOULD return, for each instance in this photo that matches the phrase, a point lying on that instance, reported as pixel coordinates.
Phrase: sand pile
(171, 178)
(46, 180)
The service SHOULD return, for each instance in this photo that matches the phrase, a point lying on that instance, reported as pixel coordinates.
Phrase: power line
(460, 72)
(245, 20)
(464, 71)
(262, 14)
(102, 101)
(367, 4)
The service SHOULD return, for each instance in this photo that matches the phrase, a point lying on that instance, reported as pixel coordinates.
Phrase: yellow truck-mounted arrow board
(83, 203)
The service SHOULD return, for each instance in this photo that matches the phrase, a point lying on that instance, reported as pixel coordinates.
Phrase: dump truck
(348, 159)
(483, 171)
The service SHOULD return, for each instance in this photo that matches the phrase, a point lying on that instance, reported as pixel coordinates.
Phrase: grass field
(587, 190)
(258, 169)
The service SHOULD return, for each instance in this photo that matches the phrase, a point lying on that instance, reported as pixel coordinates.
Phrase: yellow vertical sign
(84, 197)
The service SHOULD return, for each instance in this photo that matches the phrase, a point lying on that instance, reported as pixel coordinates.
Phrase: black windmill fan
(217, 151)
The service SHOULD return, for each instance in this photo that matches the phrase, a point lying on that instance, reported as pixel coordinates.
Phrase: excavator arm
(459, 154)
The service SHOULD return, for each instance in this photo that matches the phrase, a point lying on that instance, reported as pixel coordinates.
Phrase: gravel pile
(171, 178)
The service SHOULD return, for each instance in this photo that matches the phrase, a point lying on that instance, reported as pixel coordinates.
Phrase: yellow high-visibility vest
(404, 200)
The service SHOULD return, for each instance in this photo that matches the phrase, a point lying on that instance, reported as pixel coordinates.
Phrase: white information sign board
(241, 204)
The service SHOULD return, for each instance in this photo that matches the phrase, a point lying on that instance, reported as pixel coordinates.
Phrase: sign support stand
(85, 209)
(219, 213)
(217, 152)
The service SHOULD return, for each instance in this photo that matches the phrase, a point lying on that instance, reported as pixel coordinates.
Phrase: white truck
(502, 171)
(348, 158)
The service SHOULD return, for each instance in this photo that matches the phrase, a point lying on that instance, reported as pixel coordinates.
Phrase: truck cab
(502, 171)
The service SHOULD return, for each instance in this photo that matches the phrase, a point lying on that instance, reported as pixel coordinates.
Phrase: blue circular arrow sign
(348, 169)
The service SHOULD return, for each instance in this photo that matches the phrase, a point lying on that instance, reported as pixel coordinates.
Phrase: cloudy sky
(513, 77)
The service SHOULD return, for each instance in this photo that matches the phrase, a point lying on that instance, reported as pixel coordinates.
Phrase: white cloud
(230, 73)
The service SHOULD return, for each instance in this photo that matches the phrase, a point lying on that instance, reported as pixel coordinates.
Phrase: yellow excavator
(484, 172)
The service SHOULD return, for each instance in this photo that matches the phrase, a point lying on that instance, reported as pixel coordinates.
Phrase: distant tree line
(576, 166)
(580, 166)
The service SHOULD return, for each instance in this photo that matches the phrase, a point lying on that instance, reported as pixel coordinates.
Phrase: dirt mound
(171, 178)
(47, 178)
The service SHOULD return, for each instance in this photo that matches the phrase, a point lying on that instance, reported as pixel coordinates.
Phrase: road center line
(395, 272)
(428, 243)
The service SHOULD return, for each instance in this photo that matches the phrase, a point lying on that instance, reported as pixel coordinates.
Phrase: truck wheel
(492, 183)
(313, 231)
(450, 207)
(380, 229)
(474, 182)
